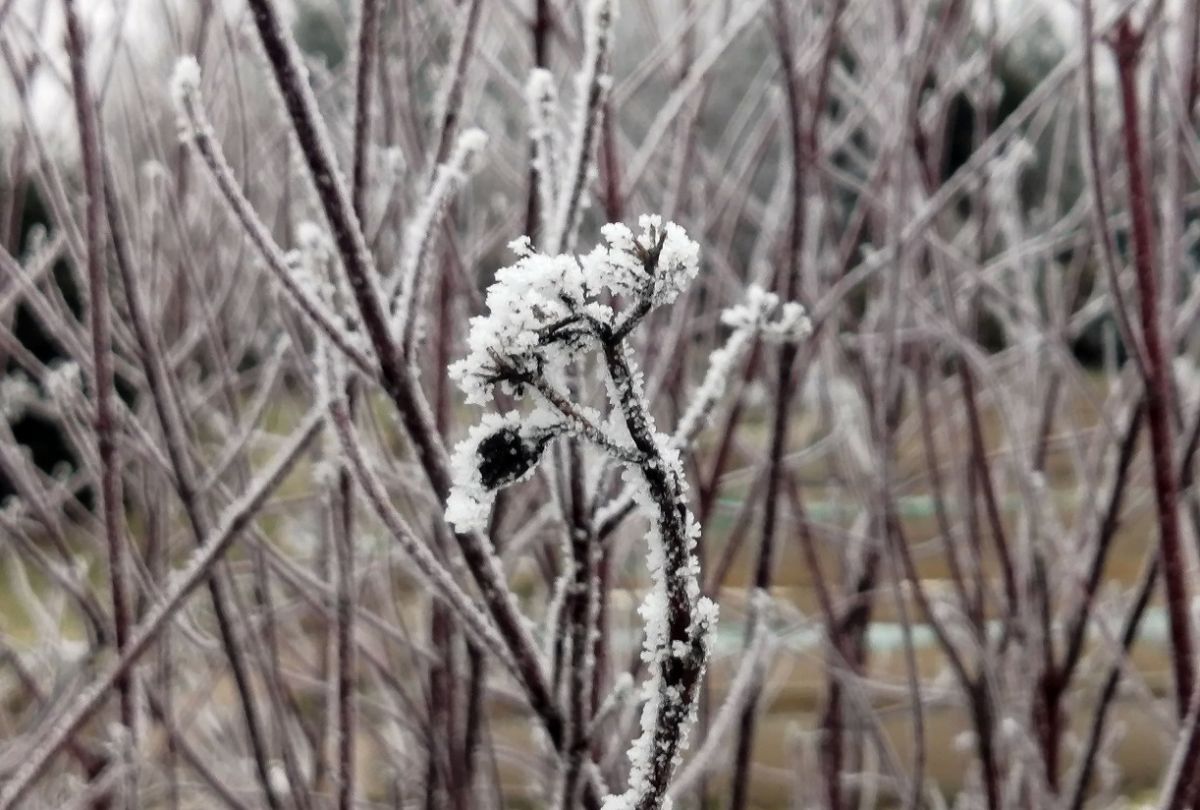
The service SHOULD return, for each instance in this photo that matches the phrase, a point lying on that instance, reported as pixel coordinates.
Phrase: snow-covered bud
(185, 81)
(63, 381)
(16, 394)
(755, 314)
(502, 449)
(185, 94)
(507, 455)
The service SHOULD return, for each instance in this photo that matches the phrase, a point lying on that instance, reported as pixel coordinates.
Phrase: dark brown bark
(1127, 47)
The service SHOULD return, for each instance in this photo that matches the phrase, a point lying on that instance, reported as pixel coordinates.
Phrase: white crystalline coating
(539, 291)
(469, 504)
(792, 325)
(470, 142)
(618, 236)
(63, 381)
(526, 297)
(16, 394)
(313, 237)
(617, 267)
(542, 99)
(541, 96)
(590, 87)
(543, 311)
(751, 317)
(185, 80)
(657, 647)
(521, 246)
(309, 265)
(448, 178)
(678, 260)
(614, 266)
(1008, 165)
(755, 313)
(394, 161)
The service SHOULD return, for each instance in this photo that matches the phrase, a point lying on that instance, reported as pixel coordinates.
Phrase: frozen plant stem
(547, 317)
(240, 514)
(343, 536)
(802, 145)
(1127, 47)
(592, 89)
(178, 442)
(397, 377)
(681, 660)
(102, 359)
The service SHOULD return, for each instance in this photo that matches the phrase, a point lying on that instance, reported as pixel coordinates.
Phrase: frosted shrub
(244, 338)
(547, 315)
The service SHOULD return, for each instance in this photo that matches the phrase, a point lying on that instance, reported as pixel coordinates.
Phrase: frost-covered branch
(196, 131)
(102, 356)
(545, 315)
(542, 99)
(761, 316)
(426, 564)
(189, 577)
(969, 389)
(592, 86)
(410, 284)
(746, 681)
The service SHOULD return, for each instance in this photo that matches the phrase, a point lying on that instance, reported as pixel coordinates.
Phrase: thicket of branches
(420, 393)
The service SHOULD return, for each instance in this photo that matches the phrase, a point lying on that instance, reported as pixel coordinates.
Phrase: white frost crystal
(185, 80)
(531, 302)
(790, 324)
(501, 450)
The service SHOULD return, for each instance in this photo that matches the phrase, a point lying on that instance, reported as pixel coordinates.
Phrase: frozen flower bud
(185, 81)
(761, 312)
(618, 236)
(522, 246)
(16, 394)
(499, 451)
(792, 325)
(542, 99)
(470, 143)
(185, 94)
(678, 264)
(506, 456)
(62, 381)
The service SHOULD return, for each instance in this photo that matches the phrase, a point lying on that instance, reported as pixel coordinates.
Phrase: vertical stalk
(801, 147)
(343, 535)
(539, 29)
(102, 360)
(397, 377)
(189, 490)
(1127, 47)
